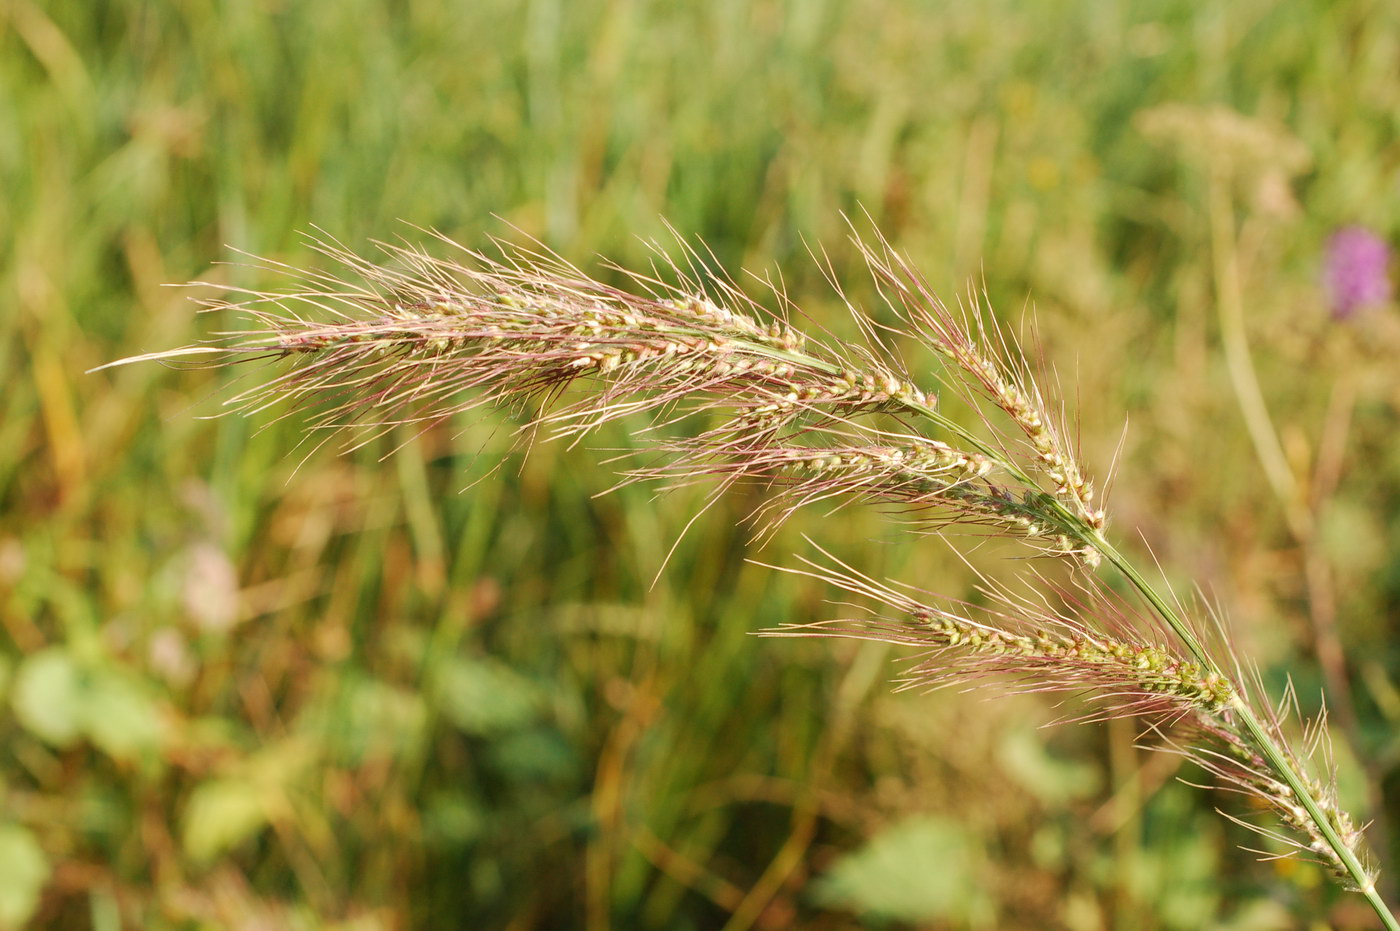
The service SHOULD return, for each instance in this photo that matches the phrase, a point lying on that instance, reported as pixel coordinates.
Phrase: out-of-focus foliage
(890, 877)
(250, 683)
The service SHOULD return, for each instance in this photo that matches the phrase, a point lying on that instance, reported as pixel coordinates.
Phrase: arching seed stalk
(428, 338)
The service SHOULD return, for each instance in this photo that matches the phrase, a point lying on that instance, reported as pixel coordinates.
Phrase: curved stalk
(1364, 883)
(1258, 733)
(528, 327)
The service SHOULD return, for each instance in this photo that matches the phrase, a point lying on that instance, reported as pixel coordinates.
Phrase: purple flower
(1356, 274)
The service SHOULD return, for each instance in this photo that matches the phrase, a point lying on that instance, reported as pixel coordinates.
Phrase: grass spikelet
(984, 360)
(1089, 646)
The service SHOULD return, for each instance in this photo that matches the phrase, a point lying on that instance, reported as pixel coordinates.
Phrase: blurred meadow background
(250, 685)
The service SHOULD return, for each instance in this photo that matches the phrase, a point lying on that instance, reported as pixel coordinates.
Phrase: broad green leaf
(23, 871)
(60, 699)
(48, 697)
(1052, 779)
(120, 716)
(221, 814)
(922, 869)
(484, 696)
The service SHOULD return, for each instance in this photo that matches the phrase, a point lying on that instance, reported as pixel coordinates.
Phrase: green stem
(1279, 761)
(1159, 604)
(1258, 733)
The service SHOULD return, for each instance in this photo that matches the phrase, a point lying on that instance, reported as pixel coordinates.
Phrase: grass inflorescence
(421, 338)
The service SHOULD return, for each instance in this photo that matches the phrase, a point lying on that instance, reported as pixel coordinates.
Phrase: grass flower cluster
(736, 393)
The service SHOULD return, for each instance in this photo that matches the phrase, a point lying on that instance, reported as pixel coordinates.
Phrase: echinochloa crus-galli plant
(419, 339)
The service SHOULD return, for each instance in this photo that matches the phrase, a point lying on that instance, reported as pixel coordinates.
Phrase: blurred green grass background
(248, 686)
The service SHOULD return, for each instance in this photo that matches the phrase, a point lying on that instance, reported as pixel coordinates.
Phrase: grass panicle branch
(418, 339)
(1092, 644)
(983, 358)
(1088, 644)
